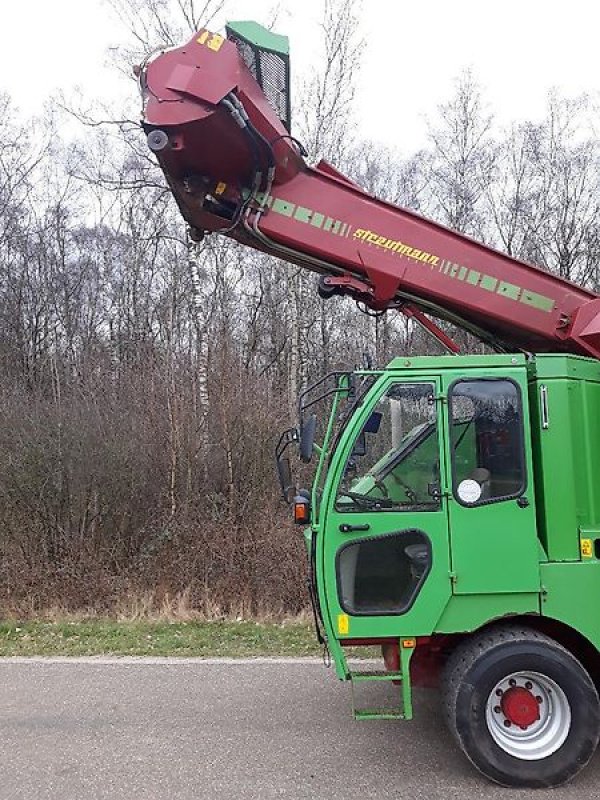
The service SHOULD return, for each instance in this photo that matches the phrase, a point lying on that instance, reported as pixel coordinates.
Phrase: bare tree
(461, 159)
(155, 24)
(561, 218)
(324, 112)
(326, 126)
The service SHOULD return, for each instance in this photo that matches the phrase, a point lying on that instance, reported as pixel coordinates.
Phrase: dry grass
(151, 606)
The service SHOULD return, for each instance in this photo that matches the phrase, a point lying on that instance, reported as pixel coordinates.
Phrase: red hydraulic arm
(234, 169)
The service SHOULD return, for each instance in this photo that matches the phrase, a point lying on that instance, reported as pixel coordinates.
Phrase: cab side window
(383, 575)
(487, 444)
(394, 462)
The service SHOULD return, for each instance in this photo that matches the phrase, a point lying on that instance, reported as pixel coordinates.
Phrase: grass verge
(146, 638)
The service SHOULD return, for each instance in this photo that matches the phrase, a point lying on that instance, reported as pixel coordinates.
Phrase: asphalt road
(133, 730)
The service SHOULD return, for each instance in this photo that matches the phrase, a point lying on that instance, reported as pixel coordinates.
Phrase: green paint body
(261, 37)
(491, 561)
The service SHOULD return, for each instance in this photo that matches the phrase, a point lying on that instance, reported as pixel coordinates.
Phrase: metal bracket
(412, 312)
(330, 285)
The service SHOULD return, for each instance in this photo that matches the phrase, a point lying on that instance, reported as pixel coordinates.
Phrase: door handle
(345, 528)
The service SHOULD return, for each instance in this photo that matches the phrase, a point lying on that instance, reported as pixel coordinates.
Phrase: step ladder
(401, 678)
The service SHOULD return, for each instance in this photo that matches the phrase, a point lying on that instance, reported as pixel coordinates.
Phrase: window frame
(522, 453)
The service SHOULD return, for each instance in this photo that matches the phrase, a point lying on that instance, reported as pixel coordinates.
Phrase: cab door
(385, 553)
(491, 501)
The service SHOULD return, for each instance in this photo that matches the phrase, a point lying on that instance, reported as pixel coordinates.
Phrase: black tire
(471, 679)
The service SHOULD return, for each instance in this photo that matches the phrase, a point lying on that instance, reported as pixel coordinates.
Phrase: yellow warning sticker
(343, 624)
(220, 187)
(215, 42)
(587, 550)
(211, 40)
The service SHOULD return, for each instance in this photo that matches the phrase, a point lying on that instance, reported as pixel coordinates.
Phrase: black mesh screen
(272, 73)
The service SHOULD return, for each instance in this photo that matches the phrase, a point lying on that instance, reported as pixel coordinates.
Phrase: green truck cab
(455, 521)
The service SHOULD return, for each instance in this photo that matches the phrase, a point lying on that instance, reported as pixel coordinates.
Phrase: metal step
(376, 713)
(376, 675)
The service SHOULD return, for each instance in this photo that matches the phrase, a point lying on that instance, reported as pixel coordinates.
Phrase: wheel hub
(520, 707)
(528, 715)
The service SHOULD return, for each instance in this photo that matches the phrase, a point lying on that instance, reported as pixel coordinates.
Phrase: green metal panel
(468, 612)
(261, 37)
(566, 450)
(572, 595)
(459, 364)
(546, 366)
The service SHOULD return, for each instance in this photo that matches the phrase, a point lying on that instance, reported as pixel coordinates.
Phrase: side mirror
(307, 437)
(284, 471)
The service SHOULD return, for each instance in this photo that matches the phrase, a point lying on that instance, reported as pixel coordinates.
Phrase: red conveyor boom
(234, 169)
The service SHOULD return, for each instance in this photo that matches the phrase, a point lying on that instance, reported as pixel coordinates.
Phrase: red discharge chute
(233, 168)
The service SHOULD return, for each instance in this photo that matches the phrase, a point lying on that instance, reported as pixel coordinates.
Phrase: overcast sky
(518, 50)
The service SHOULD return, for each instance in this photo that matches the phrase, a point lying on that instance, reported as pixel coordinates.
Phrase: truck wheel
(521, 707)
